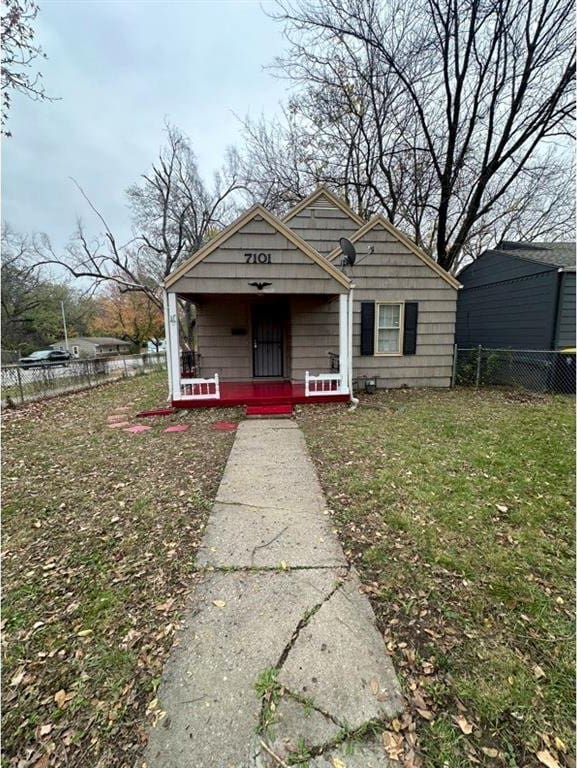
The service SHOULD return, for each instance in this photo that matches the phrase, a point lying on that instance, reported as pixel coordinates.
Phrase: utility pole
(64, 324)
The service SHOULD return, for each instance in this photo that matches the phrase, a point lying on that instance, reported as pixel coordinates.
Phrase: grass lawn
(457, 508)
(100, 530)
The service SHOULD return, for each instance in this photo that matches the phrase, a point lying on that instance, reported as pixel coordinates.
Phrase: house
(94, 346)
(519, 296)
(281, 320)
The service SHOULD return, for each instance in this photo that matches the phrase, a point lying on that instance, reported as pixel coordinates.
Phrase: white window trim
(400, 304)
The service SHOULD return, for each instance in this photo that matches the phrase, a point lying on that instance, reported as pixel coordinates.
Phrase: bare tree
(173, 213)
(172, 208)
(32, 297)
(20, 281)
(19, 52)
(447, 116)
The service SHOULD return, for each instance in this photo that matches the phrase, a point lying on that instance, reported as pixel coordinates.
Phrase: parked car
(45, 357)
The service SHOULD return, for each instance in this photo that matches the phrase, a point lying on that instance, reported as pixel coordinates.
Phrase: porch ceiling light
(260, 286)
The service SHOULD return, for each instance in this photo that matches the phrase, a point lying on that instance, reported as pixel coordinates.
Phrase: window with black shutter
(367, 328)
(389, 328)
(410, 331)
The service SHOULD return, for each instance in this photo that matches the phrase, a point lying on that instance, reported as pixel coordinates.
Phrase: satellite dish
(349, 253)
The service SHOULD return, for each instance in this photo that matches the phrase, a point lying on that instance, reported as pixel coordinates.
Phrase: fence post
(454, 373)
(87, 363)
(478, 377)
(20, 387)
(125, 368)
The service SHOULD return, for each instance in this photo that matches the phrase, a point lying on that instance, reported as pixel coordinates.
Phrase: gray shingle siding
(565, 331)
(494, 267)
(515, 314)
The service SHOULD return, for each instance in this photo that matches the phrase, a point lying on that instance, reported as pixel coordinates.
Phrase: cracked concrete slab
(269, 466)
(310, 629)
(340, 662)
(355, 754)
(241, 536)
(208, 686)
(297, 722)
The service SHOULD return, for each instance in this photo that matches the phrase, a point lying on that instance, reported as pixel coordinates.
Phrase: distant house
(519, 296)
(94, 346)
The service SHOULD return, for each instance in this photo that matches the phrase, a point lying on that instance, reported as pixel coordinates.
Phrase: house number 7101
(257, 258)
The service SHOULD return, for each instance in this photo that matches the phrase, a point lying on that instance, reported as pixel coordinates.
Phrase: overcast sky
(120, 67)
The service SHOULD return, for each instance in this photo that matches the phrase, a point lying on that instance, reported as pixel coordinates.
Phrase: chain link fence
(22, 384)
(533, 369)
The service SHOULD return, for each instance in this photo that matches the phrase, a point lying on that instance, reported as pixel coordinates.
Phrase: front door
(267, 342)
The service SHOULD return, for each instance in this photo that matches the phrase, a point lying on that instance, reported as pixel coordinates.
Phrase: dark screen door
(267, 342)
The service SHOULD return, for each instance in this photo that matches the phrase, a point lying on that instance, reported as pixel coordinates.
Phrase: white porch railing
(323, 384)
(200, 389)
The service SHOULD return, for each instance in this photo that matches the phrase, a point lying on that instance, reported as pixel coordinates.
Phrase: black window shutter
(410, 334)
(367, 328)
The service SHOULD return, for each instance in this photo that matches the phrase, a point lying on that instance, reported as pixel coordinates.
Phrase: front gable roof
(257, 211)
(320, 192)
(402, 238)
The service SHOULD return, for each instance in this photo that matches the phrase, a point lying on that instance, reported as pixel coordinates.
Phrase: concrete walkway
(280, 657)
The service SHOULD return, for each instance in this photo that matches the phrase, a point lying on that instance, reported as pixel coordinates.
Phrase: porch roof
(228, 267)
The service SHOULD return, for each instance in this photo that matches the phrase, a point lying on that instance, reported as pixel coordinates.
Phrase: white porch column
(344, 352)
(350, 337)
(167, 344)
(174, 355)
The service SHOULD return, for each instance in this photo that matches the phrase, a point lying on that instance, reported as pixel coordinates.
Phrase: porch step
(157, 412)
(283, 409)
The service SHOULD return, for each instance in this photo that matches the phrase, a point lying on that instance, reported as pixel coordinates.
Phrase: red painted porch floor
(256, 393)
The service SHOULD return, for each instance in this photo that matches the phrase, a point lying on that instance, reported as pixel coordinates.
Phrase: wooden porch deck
(256, 393)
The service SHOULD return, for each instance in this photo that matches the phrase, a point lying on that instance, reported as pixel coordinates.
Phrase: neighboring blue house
(518, 296)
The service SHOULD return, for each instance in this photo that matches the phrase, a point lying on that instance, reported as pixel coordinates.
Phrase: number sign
(257, 258)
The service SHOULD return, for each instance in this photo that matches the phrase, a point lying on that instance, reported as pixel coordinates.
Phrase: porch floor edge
(228, 402)
(260, 393)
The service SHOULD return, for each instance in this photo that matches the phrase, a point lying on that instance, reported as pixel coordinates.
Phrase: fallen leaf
(560, 744)
(60, 698)
(490, 751)
(382, 696)
(44, 730)
(283, 565)
(538, 671)
(85, 632)
(165, 606)
(393, 744)
(547, 759)
(375, 686)
(219, 603)
(502, 507)
(338, 763)
(419, 701)
(17, 678)
(42, 762)
(464, 725)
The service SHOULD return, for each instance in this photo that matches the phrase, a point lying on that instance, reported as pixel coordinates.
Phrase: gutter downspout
(354, 400)
(556, 307)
